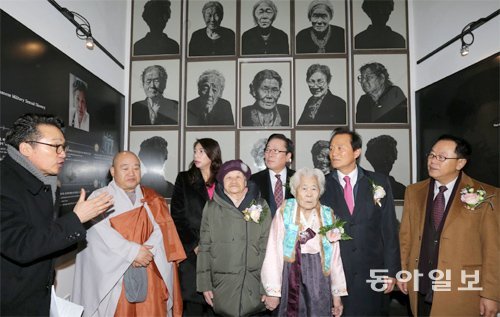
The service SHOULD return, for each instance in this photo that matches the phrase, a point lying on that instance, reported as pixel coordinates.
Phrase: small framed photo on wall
(154, 93)
(379, 25)
(314, 148)
(158, 152)
(381, 88)
(226, 140)
(211, 28)
(265, 94)
(265, 27)
(211, 93)
(321, 91)
(156, 27)
(387, 151)
(252, 146)
(327, 37)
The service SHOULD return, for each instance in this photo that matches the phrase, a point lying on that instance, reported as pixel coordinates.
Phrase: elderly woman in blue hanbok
(302, 270)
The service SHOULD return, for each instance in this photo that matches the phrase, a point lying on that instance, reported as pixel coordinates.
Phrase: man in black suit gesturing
(364, 200)
(272, 181)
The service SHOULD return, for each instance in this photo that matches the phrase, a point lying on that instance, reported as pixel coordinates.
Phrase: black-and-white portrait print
(320, 26)
(381, 88)
(226, 140)
(265, 27)
(156, 28)
(265, 94)
(321, 91)
(211, 93)
(252, 147)
(154, 93)
(379, 24)
(79, 116)
(314, 147)
(158, 153)
(211, 28)
(388, 152)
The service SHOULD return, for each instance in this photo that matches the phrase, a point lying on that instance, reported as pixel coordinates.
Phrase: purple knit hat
(233, 165)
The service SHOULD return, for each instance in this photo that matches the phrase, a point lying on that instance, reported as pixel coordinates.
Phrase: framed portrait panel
(387, 151)
(314, 149)
(252, 146)
(142, 93)
(277, 101)
(374, 83)
(143, 42)
(278, 40)
(224, 17)
(392, 35)
(332, 108)
(226, 140)
(158, 152)
(211, 85)
(79, 117)
(305, 44)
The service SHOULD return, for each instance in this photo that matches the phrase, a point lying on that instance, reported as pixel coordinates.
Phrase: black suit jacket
(332, 110)
(263, 182)
(374, 244)
(168, 113)
(188, 201)
(32, 237)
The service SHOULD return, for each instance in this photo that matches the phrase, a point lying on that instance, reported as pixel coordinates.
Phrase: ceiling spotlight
(89, 43)
(464, 50)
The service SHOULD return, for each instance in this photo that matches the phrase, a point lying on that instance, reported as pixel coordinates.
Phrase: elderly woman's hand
(271, 302)
(337, 308)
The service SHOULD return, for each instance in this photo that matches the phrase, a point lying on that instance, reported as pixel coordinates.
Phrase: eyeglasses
(273, 151)
(440, 158)
(366, 77)
(59, 147)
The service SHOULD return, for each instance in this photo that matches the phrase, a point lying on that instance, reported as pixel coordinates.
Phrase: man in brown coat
(445, 229)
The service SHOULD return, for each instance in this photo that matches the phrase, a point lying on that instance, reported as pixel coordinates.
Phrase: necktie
(278, 191)
(438, 207)
(348, 194)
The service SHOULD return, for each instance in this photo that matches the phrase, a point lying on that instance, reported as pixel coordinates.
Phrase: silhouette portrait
(382, 152)
(156, 15)
(153, 154)
(378, 34)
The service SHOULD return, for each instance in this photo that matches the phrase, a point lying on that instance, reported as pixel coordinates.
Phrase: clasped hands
(144, 257)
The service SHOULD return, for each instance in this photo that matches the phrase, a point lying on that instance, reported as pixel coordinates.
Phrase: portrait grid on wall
(152, 32)
(327, 38)
(379, 24)
(267, 105)
(252, 146)
(316, 101)
(314, 149)
(155, 101)
(226, 140)
(263, 31)
(375, 99)
(79, 117)
(210, 93)
(158, 152)
(387, 151)
(219, 20)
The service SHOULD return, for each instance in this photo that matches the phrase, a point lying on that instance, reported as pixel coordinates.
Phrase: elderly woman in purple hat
(233, 238)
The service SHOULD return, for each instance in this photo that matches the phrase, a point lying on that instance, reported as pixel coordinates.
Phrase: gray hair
(216, 5)
(212, 74)
(269, 3)
(327, 4)
(307, 172)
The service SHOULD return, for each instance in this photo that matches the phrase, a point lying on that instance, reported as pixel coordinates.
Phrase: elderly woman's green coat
(231, 254)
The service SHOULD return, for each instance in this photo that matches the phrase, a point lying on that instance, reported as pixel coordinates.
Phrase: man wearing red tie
(272, 181)
(364, 200)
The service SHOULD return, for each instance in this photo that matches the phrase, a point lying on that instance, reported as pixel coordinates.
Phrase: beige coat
(469, 241)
